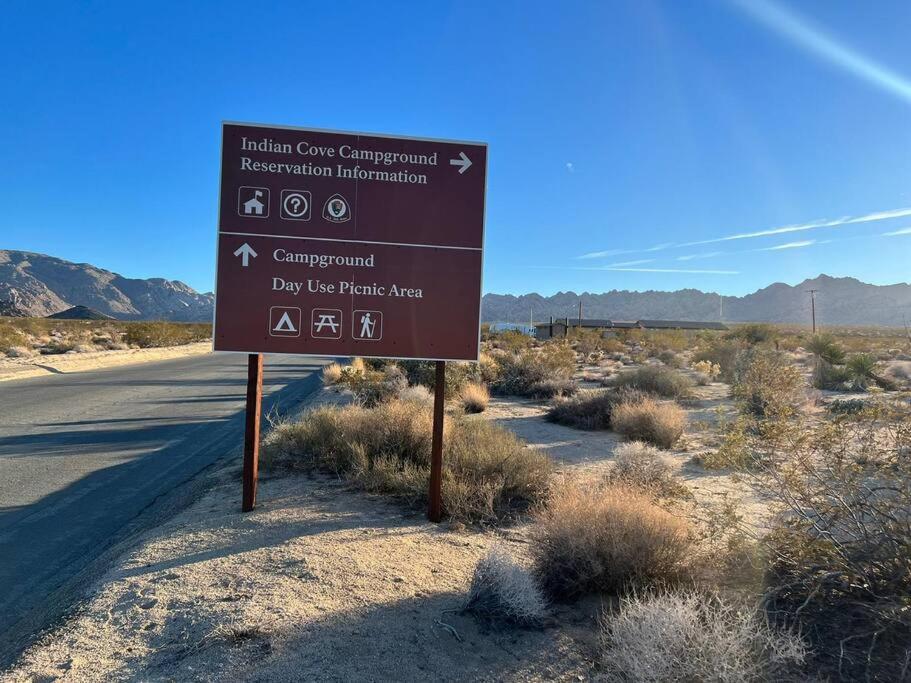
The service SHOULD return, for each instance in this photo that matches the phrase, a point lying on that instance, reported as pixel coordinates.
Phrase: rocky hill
(38, 285)
(839, 301)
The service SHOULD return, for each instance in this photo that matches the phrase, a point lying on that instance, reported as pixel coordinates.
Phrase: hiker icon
(367, 325)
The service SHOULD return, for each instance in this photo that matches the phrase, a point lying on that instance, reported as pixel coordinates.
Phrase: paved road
(83, 455)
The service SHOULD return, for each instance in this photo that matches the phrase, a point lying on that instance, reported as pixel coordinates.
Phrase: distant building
(560, 328)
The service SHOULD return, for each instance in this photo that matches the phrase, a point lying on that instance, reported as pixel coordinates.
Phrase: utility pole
(813, 306)
(721, 308)
(580, 314)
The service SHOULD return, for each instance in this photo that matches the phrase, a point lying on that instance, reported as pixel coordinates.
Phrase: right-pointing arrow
(245, 251)
(462, 161)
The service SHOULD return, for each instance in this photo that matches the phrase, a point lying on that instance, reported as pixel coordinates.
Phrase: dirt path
(324, 583)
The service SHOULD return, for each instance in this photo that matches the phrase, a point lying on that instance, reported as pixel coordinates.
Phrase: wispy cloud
(798, 30)
(624, 264)
(570, 167)
(673, 270)
(789, 245)
(847, 220)
(896, 233)
(705, 254)
(607, 252)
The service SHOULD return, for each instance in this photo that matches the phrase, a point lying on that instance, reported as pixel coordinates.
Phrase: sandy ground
(65, 363)
(324, 583)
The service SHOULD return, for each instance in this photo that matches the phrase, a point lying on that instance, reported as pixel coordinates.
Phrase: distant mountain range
(839, 301)
(39, 285)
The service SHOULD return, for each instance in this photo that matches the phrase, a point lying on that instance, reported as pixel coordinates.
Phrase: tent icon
(284, 321)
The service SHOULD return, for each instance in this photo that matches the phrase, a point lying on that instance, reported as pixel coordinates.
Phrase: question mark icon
(296, 204)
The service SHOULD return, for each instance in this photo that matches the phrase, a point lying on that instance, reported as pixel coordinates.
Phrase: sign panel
(349, 244)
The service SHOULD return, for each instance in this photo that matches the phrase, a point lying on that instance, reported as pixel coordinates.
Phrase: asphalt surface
(84, 455)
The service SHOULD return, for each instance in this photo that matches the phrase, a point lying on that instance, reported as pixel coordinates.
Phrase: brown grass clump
(660, 424)
(503, 591)
(641, 466)
(590, 409)
(474, 397)
(689, 636)
(611, 539)
(332, 374)
(488, 473)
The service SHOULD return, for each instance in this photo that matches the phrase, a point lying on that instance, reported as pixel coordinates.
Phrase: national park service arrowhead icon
(337, 209)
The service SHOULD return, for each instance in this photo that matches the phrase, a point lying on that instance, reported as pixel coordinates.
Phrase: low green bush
(655, 379)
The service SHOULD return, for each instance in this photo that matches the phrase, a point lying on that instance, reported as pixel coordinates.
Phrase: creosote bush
(657, 423)
(768, 385)
(591, 408)
(655, 379)
(537, 372)
(686, 636)
(638, 465)
(609, 539)
(503, 591)
(489, 474)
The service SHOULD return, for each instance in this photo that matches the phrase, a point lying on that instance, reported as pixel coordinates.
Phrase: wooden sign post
(251, 429)
(435, 506)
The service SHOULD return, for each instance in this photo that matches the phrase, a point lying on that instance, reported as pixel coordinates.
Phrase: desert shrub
(19, 352)
(155, 334)
(423, 372)
(537, 372)
(638, 465)
(851, 406)
(826, 348)
(832, 377)
(754, 333)
(511, 340)
(84, 348)
(489, 474)
(590, 409)
(670, 359)
(722, 352)
(488, 367)
(839, 556)
(504, 591)
(332, 374)
(610, 539)
(686, 636)
(11, 336)
(768, 385)
(655, 379)
(666, 340)
(371, 387)
(474, 397)
(648, 420)
(417, 394)
(735, 450)
(707, 368)
(586, 341)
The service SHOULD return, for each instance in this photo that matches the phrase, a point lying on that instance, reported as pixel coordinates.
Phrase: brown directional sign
(341, 244)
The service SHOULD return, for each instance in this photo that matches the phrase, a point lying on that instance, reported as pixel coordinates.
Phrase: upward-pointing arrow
(245, 251)
(463, 162)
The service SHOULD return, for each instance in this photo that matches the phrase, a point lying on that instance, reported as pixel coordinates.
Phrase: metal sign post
(334, 243)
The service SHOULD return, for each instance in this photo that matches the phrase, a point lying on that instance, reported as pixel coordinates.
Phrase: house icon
(253, 201)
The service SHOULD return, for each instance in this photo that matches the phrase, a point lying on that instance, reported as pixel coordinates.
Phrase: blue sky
(633, 145)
